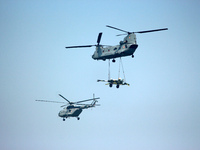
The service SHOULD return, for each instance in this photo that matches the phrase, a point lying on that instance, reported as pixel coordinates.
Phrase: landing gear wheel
(110, 85)
(63, 119)
(78, 118)
(117, 86)
(113, 60)
(132, 56)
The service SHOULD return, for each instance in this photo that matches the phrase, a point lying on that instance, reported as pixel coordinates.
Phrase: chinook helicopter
(73, 109)
(126, 47)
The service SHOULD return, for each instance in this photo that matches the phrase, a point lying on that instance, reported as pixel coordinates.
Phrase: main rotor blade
(151, 30)
(49, 101)
(99, 38)
(63, 105)
(82, 46)
(64, 98)
(86, 100)
(82, 104)
(117, 29)
(88, 104)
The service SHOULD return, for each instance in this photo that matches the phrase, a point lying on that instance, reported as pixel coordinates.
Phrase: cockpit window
(115, 48)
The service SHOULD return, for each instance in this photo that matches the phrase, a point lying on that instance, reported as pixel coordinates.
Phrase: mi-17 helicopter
(126, 47)
(73, 109)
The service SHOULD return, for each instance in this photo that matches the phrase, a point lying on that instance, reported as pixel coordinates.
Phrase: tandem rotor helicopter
(73, 109)
(126, 47)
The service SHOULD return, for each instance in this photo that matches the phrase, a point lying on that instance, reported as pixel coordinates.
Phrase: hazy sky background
(159, 111)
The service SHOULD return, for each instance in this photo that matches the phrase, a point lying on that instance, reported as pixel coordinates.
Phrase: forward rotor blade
(99, 38)
(82, 46)
(117, 29)
(151, 30)
(49, 101)
(86, 100)
(64, 98)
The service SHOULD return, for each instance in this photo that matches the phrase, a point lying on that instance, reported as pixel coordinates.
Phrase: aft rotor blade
(49, 101)
(86, 100)
(99, 38)
(151, 30)
(64, 98)
(117, 29)
(82, 46)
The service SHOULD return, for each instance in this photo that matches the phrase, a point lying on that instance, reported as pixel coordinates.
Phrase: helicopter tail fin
(93, 104)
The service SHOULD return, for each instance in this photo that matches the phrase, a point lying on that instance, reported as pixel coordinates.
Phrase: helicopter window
(115, 48)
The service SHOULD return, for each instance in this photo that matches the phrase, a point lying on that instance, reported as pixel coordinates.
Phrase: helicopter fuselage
(126, 47)
(112, 52)
(70, 112)
(74, 111)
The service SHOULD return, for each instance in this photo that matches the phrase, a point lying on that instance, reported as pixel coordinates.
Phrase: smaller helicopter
(72, 109)
(114, 81)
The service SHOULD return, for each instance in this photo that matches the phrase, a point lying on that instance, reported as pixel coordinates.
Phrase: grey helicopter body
(74, 109)
(126, 47)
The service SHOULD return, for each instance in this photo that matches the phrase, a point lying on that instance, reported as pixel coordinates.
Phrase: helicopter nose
(93, 56)
(134, 46)
(59, 114)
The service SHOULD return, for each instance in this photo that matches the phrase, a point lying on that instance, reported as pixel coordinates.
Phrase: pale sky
(160, 109)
